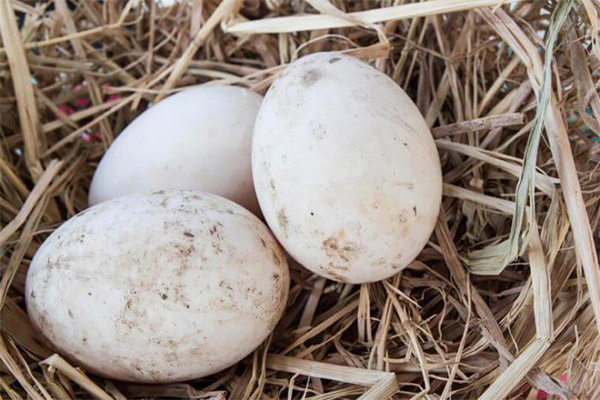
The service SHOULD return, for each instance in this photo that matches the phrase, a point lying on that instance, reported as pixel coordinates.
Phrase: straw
(510, 91)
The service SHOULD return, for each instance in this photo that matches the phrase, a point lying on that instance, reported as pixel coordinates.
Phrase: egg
(197, 139)
(345, 168)
(158, 287)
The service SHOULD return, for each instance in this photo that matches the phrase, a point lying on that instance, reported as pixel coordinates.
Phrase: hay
(73, 74)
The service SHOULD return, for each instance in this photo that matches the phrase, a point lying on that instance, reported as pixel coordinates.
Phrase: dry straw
(511, 91)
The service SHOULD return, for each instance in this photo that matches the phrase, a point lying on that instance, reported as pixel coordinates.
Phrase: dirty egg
(159, 287)
(345, 169)
(197, 139)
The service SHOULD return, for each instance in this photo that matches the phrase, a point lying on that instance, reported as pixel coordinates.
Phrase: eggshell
(159, 287)
(197, 139)
(345, 169)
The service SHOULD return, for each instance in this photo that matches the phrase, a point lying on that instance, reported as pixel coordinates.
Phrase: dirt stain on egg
(311, 77)
(318, 131)
(336, 248)
(283, 221)
(335, 272)
(277, 258)
(403, 217)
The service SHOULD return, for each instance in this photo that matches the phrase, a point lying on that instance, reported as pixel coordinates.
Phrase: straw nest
(505, 299)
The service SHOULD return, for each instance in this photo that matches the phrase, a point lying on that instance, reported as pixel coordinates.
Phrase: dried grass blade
(540, 278)
(323, 370)
(8, 275)
(25, 8)
(326, 8)
(479, 124)
(37, 192)
(58, 123)
(513, 375)
(595, 22)
(560, 147)
(73, 135)
(461, 346)
(17, 325)
(55, 361)
(493, 259)
(584, 83)
(113, 391)
(93, 88)
(81, 34)
(384, 389)
(168, 391)
(383, 384)
(405, 11)
(497, 85)
(322, 326)
(412, 334)
(9, 391)
(7, 172)
(224, 8)
(19, 250)
(542, 182)
(312, 303)
(494, 203)
(491, 328)
(21, 78)
(13, 367)
(256, 395)
(26, 367)
(55, 387)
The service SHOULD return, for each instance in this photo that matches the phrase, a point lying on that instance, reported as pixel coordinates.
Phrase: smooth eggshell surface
(345, 169)
(197, 139)
(159, 287)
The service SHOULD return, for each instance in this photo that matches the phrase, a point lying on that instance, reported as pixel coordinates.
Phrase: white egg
(159, 287)
(345, 168)
(197, 139)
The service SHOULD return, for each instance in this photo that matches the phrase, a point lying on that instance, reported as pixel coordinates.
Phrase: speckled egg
(345, 168)
(158, 287)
